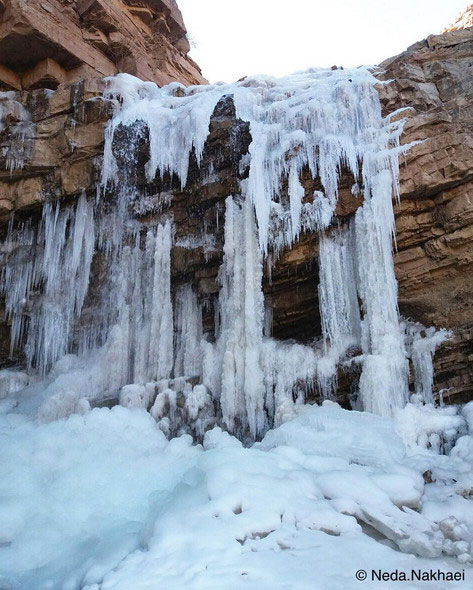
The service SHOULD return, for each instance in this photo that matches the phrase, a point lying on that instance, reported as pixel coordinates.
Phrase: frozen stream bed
(104, 500)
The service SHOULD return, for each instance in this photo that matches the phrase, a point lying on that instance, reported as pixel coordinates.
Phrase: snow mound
(104, 501)
(75, 493)
(327, 430)
(12, 381)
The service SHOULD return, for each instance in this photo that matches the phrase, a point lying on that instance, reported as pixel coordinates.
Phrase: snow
(77, 494)
(357, 437)
(467, 413)
(134, 396)
(424, 425)
(12, 381)
(103, 500)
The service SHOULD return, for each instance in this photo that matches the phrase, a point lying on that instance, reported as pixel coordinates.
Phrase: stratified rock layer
(44, 44)
(434, 220)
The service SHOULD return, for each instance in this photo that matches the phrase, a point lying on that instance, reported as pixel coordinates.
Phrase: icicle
(315, 119)
(20, 138)
(145, 307)
(319, 121)
(338, 302)
(422, 343)
(384, 377)
(188, 356)
(160, 358)
(58, 261)
(17, 277)
(177, 121)
(239, 343)
(296, 194)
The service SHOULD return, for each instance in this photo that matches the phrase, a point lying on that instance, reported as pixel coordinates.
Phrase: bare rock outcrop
(434, 219)
(45, 44)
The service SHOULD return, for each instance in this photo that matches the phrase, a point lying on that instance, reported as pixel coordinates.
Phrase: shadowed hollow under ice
(118, 498)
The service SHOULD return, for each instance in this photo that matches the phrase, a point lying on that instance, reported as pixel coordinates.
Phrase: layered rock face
(51, 144)
(45, 44)
(434, 219)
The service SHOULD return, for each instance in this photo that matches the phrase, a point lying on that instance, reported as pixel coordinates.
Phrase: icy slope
(105, 501)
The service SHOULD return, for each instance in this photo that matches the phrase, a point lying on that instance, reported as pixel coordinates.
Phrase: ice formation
(239, 342)
(19, 145)
(112, 504)
(56, 257)
(422, 343)
(137, 327)
(320, 120)
(188, 324)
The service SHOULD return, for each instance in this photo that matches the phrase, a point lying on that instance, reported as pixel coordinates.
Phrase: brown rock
(434, 220)
(45, 43)
(45, 74)
(20, 194)
(77, 176)
(8, 79)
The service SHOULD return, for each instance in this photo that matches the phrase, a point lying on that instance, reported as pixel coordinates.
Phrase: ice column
(240, 338)
(188, 324)
(384, 377)
(146, 309)
(423, 342)
(338, 302)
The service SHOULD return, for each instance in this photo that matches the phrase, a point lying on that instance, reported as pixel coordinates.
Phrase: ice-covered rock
(134, 396)
(12, 381)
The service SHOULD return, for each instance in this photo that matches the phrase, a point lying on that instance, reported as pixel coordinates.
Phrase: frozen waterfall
(137, 327)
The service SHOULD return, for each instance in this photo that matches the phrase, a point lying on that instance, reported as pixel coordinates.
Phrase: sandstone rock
(5, 206)
(8, 79)
(45, 74)
(434, 220)
(46, 43)
(77, 176)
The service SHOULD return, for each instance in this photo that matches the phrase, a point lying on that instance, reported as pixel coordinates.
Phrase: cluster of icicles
(146, 331)
(18, 146)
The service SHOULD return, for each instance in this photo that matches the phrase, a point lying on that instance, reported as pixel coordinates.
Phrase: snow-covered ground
(103, 500)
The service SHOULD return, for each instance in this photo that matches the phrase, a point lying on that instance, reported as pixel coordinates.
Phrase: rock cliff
(434, 219)
(52, 42)
(51, 144)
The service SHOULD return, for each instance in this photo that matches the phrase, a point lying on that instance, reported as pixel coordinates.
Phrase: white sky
(277, 37)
